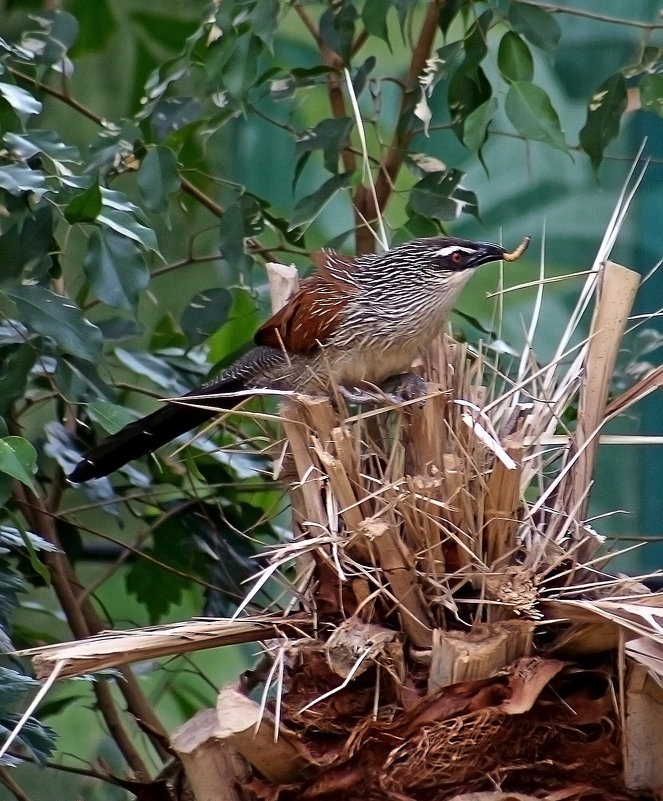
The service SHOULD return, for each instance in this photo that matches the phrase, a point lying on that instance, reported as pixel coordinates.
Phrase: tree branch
(11, 785)
(393, 160)
(579, 12)
(84, 621)
(334, 82)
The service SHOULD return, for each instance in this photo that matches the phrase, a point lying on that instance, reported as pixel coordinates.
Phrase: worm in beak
(518, 252)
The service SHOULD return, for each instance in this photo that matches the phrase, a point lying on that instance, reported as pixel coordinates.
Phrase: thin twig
(11, 785)
(83, 620)
(579, 12)
(87, 772)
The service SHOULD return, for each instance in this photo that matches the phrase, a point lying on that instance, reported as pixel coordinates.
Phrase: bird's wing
(314, 312)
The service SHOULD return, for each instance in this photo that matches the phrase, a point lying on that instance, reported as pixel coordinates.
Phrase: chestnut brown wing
(313, 313)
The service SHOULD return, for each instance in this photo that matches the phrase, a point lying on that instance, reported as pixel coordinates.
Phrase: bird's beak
(487, 252)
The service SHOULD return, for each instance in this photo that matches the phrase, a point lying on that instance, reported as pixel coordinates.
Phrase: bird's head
(428, 274)
(453, 255)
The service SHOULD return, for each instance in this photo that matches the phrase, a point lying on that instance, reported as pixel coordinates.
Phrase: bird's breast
(373, 361)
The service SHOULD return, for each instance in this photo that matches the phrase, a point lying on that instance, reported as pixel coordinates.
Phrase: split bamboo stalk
(283, 283)
(250, 730)
(397, 565)
(480, 653)
(348, 455)
(308, 469)
(213, 770)
(616, 294)
(501, 507)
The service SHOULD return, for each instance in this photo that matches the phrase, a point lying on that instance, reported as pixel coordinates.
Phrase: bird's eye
(456, 257)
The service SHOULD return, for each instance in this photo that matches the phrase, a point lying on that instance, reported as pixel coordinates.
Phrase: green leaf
(27, 145)
(18, 536)
(299, 77)
(360, 77)
(440, 196)
(242, 219)
(158, 177)
(514, 59)
(242, 321)
(59, 31)
(34, 738)
(529, 109)
(116, 270)
(167, 334)
(153, 586)
(75, 377)
(126, 224)
(417, 226)
(374, 18)
(651, 93)
(330, 136)
(403, 11)
(18, 459)
(16, 361)
(233, 65)
(476, 125)
(264, 20)
(13, 686)
(84, 207)
(447, 13)
(476, 41)
(206, 313)
(475, 323)
(536, 24)
(57, 317)
(171, 114)
(19, 178)
(9, 119)
(310, 207)
(109, 416)
(604, 114)
(19, 99)
(467, 91)
(337, 29)
(31, 543)
(28, 246)
(117, 329)
(650, 58)
(154, 368)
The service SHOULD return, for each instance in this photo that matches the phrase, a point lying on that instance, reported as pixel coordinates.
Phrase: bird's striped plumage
(354, 321)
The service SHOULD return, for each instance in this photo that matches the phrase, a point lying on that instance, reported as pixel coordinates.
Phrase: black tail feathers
(151, 432)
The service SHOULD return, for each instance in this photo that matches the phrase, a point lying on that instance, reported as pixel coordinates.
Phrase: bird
(354, 323)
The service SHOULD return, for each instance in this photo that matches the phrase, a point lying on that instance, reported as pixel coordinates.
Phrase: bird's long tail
(144, 436)
(173, 419)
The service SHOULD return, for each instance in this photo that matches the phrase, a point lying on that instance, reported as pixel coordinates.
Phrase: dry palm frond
(111, 649)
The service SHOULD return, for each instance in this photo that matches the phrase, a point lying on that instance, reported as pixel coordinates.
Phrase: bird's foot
(361, 396)
(405, 387)
(395, 390)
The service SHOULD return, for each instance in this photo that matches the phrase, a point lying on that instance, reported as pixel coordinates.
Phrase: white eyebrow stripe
(452, 249)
